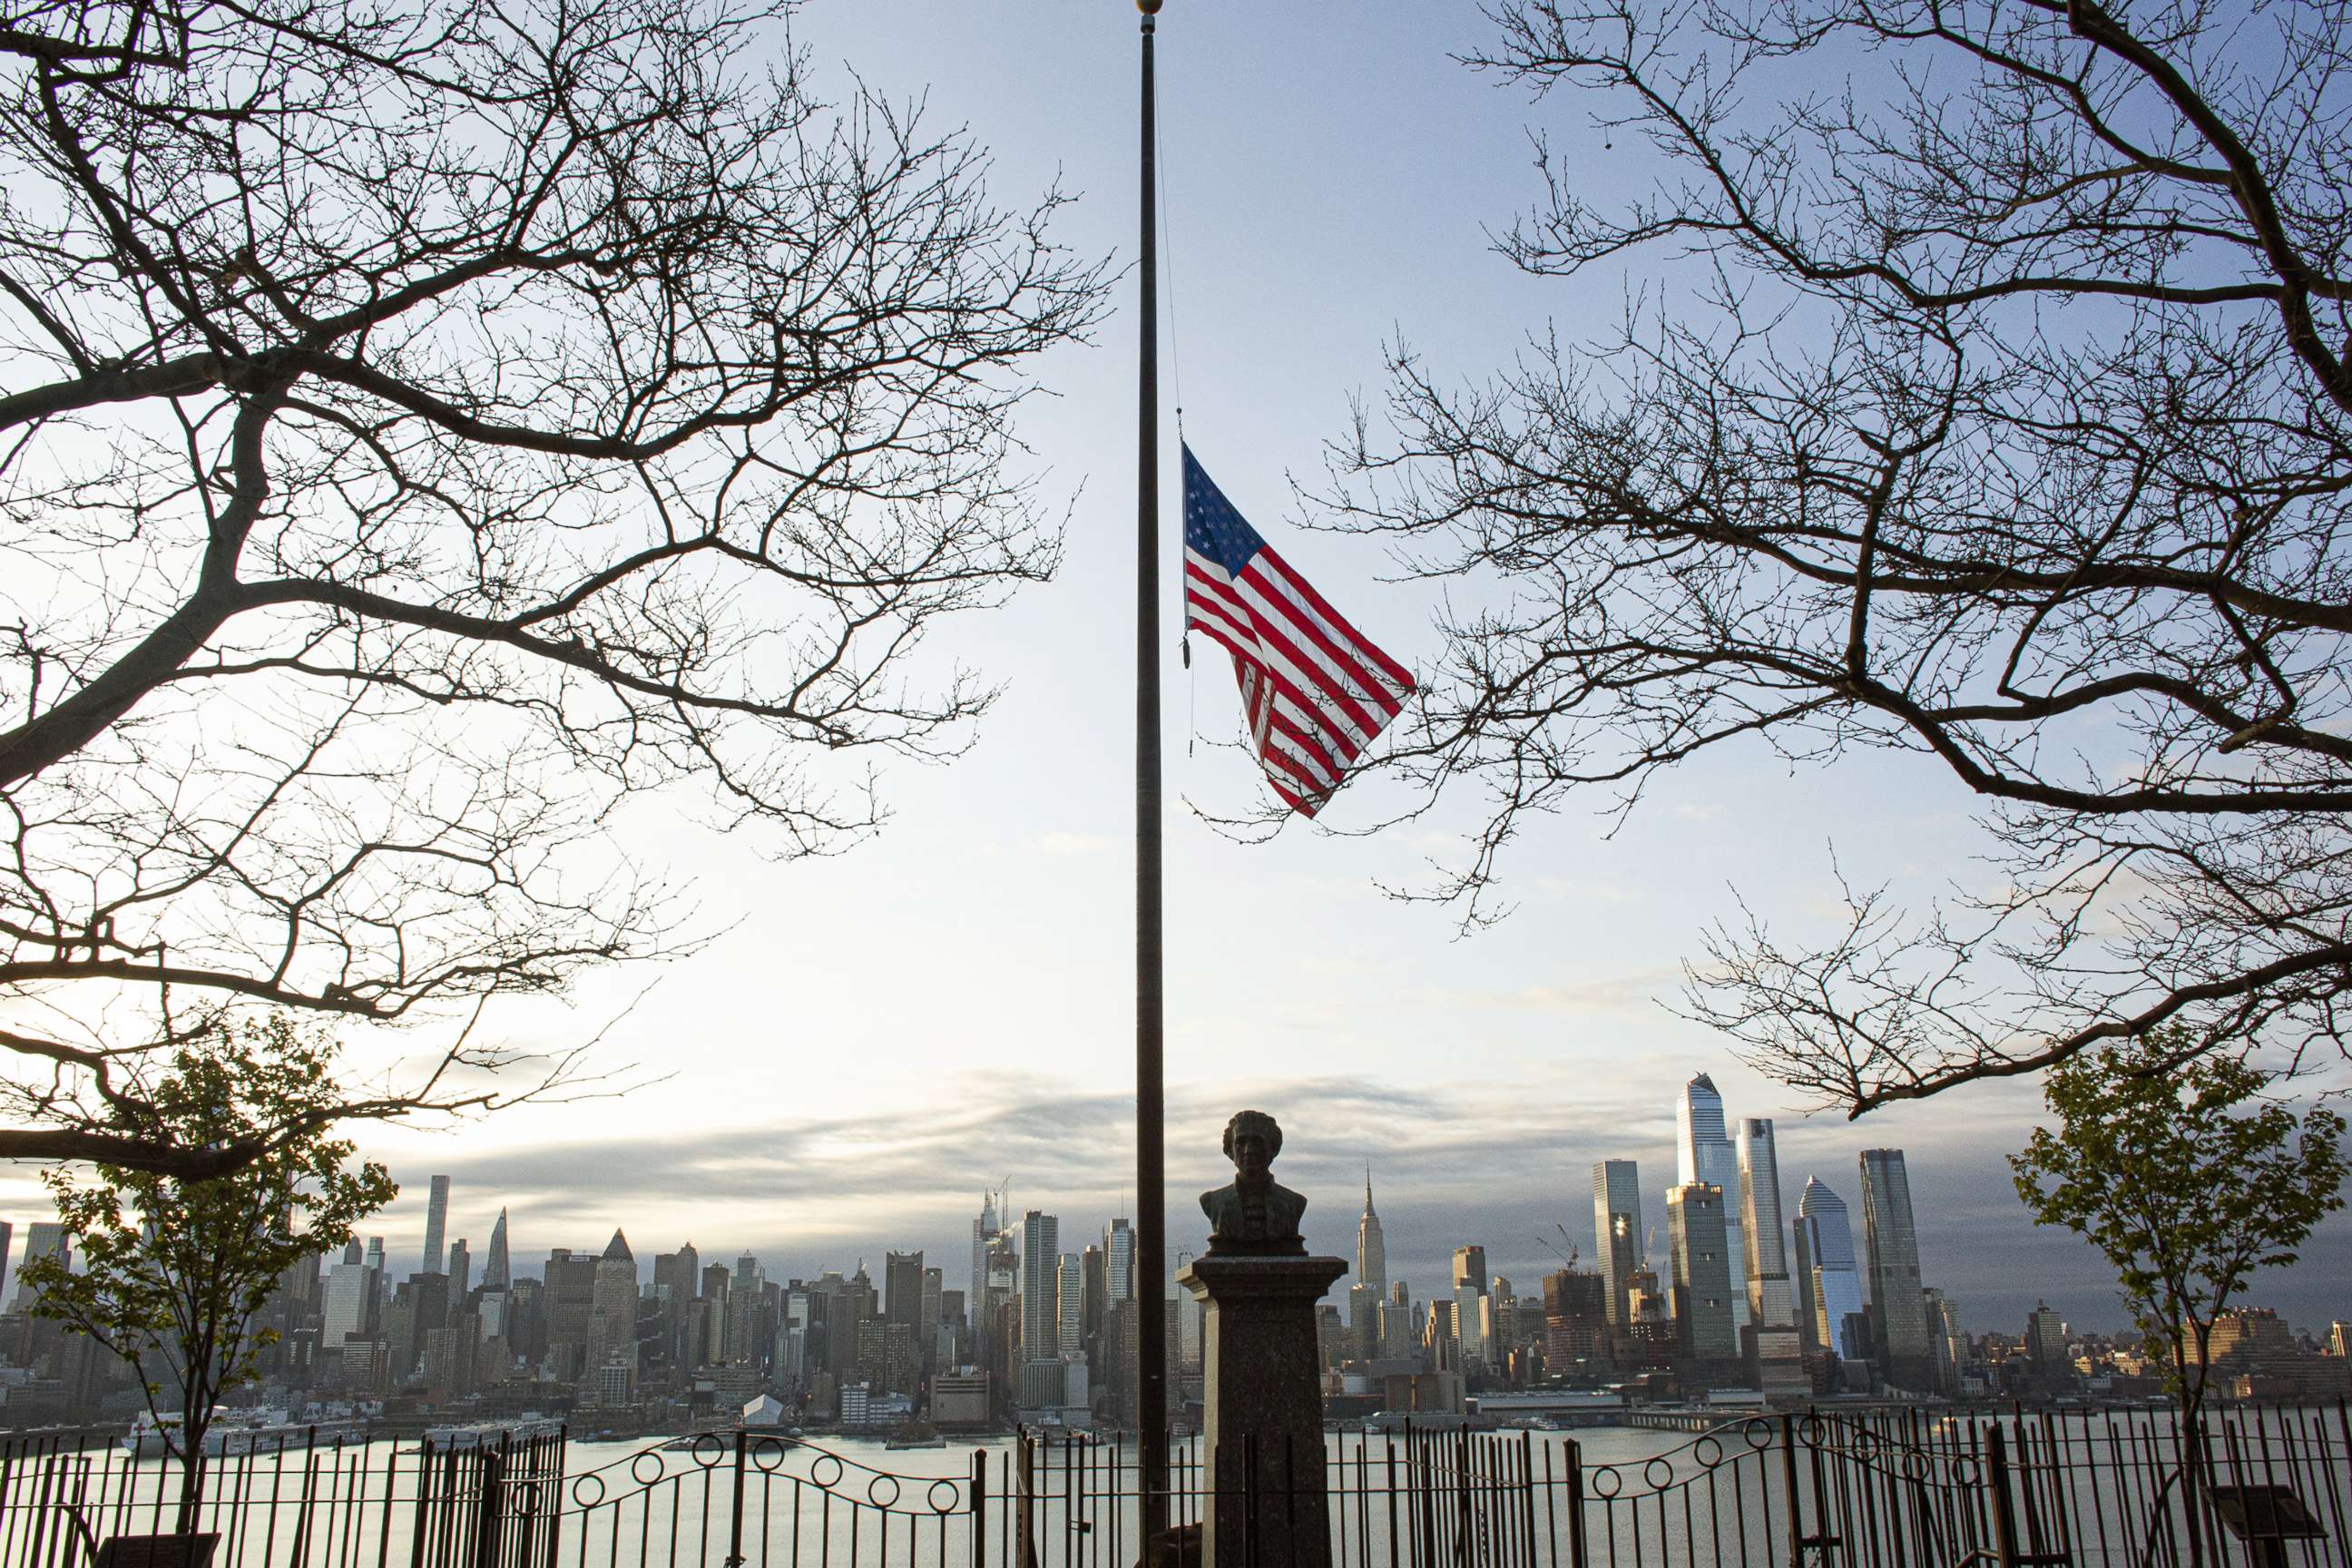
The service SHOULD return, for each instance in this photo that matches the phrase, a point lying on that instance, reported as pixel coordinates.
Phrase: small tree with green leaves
(2188, 1178)
(174, 1273)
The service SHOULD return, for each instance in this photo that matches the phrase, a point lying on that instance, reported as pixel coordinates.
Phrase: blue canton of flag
(1316, 691)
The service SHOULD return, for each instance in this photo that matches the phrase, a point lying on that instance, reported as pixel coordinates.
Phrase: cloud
(1588, 891)
(1063, 845)
(1056, 845)
(1635, 994)
(1502, 1161)
(815, 1181)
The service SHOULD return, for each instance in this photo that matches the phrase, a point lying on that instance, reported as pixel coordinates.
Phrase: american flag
(1316, 690)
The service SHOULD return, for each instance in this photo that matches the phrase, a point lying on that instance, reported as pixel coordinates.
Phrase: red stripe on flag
(1322, 607)
(1311, 628)
(1301, 677)
(1316, 693)
(1348, 747)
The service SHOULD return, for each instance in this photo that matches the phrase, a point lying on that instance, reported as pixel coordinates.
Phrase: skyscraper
(1371, 1248)
(1840, 1325)
(1576, 1320)
(372, 1261)
(984, 1233)
(1891, 1239)
(569, 1301)
(681, 1271)
(46, 1238)
(1184, 1322)
(436, 1223)
(1704, 1332)
(2046, 1347)
(420, 1308)
(7, 1232)
(1801, 1278)
(461, 1270)
(1069, 1276)
(1363, 1321)
(1948, 1347)
(747, 1334)
(676, 1285)
(496, 1275)
(902, 1287)
(1617, 1229)
(1703, 1153)
(1771, 1301)
(1001, 1311)
(1470, 1269)
(1118, 1262)
(1094, 1305)
(345, 1309)
(1396, 1320)
(613, 1307)
(1469, 1322)
(1041, 1236)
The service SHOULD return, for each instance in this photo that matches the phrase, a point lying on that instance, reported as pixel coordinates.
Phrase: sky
(864, 1043)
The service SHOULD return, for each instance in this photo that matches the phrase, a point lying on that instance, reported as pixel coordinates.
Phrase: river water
(2085, 1486)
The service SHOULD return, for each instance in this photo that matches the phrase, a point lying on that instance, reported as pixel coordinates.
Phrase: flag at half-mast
(1316, 690)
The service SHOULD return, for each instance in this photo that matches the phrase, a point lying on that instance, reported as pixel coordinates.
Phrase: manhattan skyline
(1996, 1272)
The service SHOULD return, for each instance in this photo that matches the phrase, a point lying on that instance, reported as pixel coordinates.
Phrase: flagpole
(1151, 1107)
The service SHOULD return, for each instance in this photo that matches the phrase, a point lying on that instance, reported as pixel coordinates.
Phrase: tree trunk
(196, 1423)
(2188, 1394)
(2192, 1478)
(191, 1487)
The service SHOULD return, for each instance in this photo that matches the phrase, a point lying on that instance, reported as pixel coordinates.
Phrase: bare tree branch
(1865, 486)
(423, 429)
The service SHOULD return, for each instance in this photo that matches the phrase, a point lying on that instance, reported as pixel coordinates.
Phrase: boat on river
(237, 1432)
(487, 1435)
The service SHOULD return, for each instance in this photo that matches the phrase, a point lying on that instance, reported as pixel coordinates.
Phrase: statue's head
(1252, 1140)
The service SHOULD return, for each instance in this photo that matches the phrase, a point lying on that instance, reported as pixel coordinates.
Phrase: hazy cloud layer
(1506, 1168)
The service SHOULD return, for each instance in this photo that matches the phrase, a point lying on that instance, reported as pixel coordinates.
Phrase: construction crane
(1566, 1255)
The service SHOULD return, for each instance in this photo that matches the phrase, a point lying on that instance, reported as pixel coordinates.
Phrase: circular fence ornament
(1650, 1473)
(768, 1452)
(951, 1502)
(581, 1494)
(636, 1468)
(873, 1490)
(816, 1471)
(1757, 1431)
(1707, 1451)
(1615, 1482)
(718, 1450)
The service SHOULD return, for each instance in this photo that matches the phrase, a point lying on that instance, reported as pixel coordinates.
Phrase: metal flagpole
(1151, 1194)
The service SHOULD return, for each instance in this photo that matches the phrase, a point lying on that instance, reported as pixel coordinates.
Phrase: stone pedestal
(1263, 1398)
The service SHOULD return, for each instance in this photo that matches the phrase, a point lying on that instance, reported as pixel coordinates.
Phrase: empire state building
(1372, 1252)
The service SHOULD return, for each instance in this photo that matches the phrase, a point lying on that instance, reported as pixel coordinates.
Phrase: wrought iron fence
(1880, 1490)
(307, 1504)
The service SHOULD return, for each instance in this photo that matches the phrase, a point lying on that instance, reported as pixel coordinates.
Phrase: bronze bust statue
(1253, 1216)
